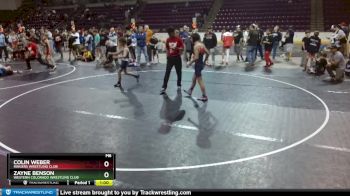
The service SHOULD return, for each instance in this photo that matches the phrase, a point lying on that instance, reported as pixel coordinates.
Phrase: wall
(10, 4)
(297, 38)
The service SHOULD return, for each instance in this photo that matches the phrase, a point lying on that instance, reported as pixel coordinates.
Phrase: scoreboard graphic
(61, 169)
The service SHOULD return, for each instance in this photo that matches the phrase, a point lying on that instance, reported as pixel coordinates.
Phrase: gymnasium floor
(282, 129)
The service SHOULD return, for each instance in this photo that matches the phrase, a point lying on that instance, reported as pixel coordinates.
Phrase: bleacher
(105, 16)
(267, 14)
(335, 12)
(163, 15)
(46, 18)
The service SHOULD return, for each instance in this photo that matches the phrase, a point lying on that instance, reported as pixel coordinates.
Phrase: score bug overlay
(61, 169)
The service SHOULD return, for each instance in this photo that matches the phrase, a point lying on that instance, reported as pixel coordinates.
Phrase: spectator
(313, 49)
(87, 56)
(13, 41)
(336, 63)
(149, 35)
(154, 50)
(74, 43)
(141, 46)
(304, 49)
(131, 43)
(321, 64)
(50, 38)
(181, 30)
(3, 46)
(59, 43)
(340, 39)
(210, 42)
(228, 41)
(97, 42)
(252, 45)
(268, 44)
(103, 41)
(127, 14)
(177, 33)
(111, 44)
(347, 69)
(238, 35)
(289, 43)
(345, 28)
(174, 10)
(186, 39)
(88, 40)
(277, 37)
(259, 47)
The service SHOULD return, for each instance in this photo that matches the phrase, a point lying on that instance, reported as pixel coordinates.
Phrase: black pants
(188, 55)
(110, 49)
(132, 52)
(59, 50)
(40, 60)
(149, 53)
(4, 48)
(177, 62)
(259, 49)
(154, 52)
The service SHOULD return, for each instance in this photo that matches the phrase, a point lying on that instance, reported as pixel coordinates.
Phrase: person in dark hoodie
(259, 46)
(277, 37)
(239, 39)
(267, 41)
(313, 49)
(289, 43)
(252, 44)
(304, 48)
(210, 41)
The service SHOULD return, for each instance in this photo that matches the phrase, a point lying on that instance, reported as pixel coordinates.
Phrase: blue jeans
(93, 47)
(259, 49)
(89, 47)
(52, 45)
(251, 54)
(140, 50)
(274, 49)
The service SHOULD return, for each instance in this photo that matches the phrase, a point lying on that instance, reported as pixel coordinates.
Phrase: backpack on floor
(320, 67)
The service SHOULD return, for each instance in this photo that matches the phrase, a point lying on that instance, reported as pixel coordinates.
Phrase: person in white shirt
(341, 39)
(88, 40)
(50, 37)
(75, 44)
(112, 44)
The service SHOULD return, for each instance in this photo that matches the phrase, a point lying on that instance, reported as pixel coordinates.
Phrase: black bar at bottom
(51, 183)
